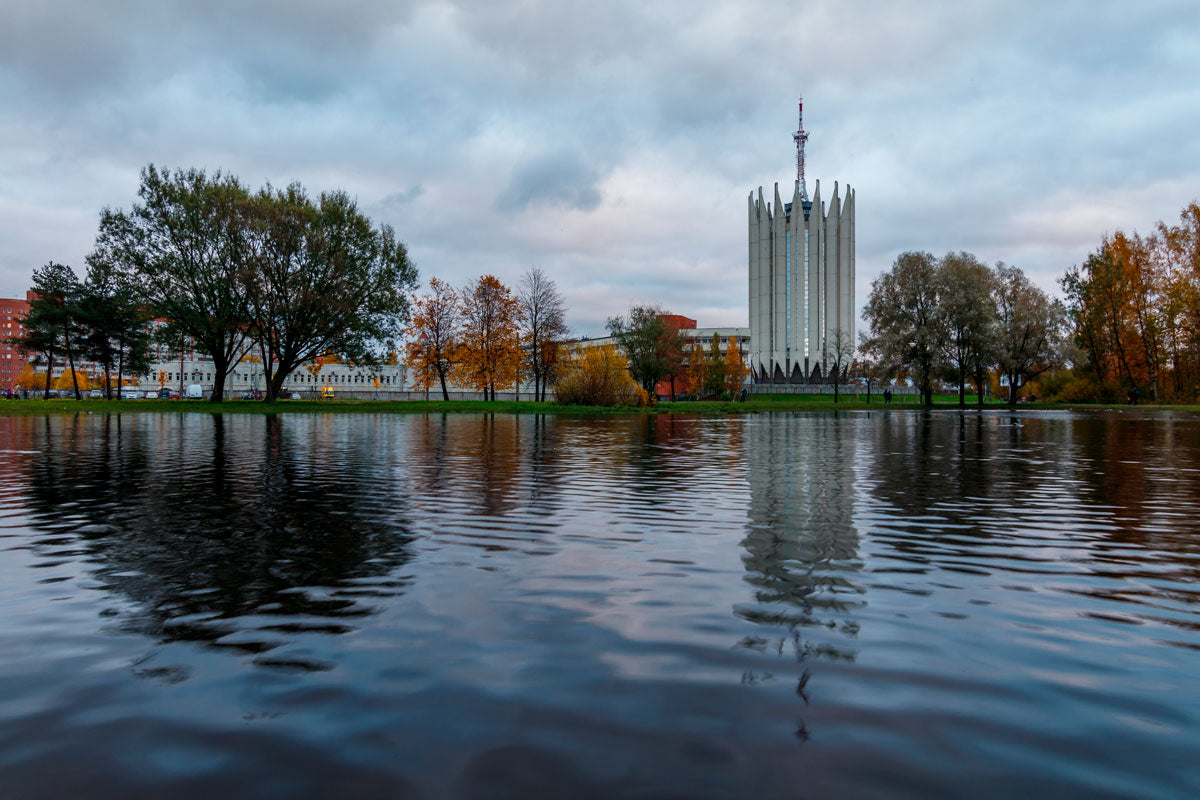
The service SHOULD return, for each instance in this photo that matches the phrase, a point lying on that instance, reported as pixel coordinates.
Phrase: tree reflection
(204, 520)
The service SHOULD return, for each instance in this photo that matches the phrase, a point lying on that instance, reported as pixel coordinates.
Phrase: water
(783, 606)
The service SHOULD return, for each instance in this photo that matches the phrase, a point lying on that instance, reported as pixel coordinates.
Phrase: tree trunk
(962, 391)
(71, 362)
(49, 372)
(442, 377)
(274, 386)
(121, 367)
(220, 370)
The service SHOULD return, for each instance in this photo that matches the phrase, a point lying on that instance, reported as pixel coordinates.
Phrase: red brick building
(12, 319)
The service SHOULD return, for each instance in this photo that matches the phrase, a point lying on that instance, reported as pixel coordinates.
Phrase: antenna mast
(800, 137)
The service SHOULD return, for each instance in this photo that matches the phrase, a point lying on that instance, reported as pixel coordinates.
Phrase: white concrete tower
(801, 278)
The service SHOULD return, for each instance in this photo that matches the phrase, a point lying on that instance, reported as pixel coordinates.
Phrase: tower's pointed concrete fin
(761, 202)
(778, 205)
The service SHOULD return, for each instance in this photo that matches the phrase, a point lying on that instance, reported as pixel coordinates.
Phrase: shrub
(597, 376)
(1080, 390)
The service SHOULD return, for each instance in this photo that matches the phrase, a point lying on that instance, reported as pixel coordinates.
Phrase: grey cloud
(402, 198)
(1019, 130)
(564, 179)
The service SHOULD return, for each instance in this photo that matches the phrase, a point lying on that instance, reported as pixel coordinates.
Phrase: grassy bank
(757, 404)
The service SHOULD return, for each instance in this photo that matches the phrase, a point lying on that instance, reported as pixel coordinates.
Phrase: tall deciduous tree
(967, 316)
(1028, 330)
(319, 278)
(434, 349)
(902, 313)
(491, 336)
(543, 313)
(185, 246)
(649, 344)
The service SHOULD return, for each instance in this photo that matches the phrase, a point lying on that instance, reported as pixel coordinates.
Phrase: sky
(613, 144)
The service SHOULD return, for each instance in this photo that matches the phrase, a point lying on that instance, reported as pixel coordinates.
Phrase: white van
(195, 392)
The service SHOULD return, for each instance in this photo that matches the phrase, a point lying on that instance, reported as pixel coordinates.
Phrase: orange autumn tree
(434, 352)
(735, 368)
(491, 352)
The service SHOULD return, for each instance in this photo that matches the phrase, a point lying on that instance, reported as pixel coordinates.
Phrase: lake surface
(776, 606)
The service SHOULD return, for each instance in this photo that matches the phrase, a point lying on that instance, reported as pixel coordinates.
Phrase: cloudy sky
(613, 143)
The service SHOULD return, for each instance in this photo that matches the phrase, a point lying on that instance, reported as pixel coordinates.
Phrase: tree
(51, 326)
(597, 376)
(902, 313)
(839, 354)
(697, 369)
(645, 339)
(115, 326)
(320, 278)
(967, 315)
(185, 248)
(543, 312)
(434, 350)
(30, 379)
(491, 352)
(714, 368)
(735, 368)
(71, 379)
(1029, 328)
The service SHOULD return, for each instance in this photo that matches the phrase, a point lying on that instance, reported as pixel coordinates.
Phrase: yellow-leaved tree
(29, 379)
(735, 368)
(597, 376)
(65, 381)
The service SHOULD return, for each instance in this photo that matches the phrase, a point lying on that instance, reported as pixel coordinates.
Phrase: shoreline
(703, 408)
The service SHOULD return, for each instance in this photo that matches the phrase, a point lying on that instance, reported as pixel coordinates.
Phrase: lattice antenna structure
(801, 136)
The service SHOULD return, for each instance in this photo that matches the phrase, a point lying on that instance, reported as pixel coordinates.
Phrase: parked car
(96, 394)
(327, 392)
(166, 394)
(195, 392)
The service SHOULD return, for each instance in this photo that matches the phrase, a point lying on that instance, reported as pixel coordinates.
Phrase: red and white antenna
(801, 136)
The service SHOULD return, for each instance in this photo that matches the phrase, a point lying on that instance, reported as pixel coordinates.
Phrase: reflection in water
(505, 606)
(200, 534)
(801, 543)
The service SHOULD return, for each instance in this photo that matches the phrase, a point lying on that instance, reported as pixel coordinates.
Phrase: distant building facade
(12, 323)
